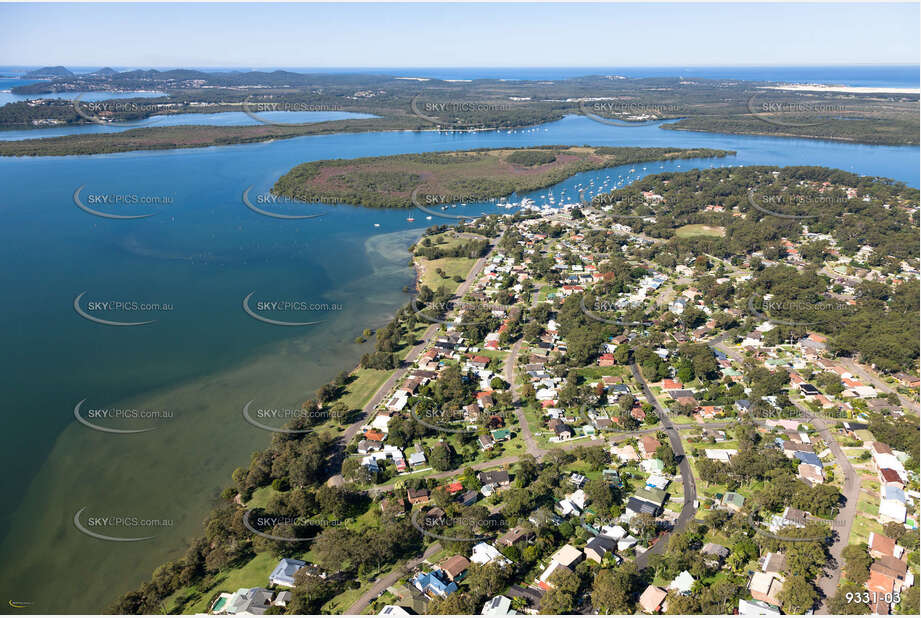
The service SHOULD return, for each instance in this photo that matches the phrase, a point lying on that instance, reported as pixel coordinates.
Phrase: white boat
(377, 225)
(429, 218)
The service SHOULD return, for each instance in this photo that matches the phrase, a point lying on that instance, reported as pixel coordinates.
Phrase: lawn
(365, 384)
(252, 574)
(451, 266)
(261, 497)
(594, 373)
(340, 603)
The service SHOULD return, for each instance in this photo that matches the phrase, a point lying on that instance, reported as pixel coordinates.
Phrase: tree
(857, 563)
(909, 603)
(601, 495)
(797, 595)
(839, 604)
(665, 453)
(440, 457)
(612, 591)
(645, 525)
(561, 598)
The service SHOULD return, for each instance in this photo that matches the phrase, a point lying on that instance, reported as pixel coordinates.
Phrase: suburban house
(252, 601)
(455, 567)
(283, 573)
(765, 587)
(498, 606)
(648, 446)
(496, 478)
(715, 554)
(757, 608)
(484, 553)
(435, 583)
(514, 536)
(683, 583)
(417, 496)
(652, 599)
(882, 546)
(598, 546)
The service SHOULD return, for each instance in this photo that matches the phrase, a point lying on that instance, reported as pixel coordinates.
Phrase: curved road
(687, 478)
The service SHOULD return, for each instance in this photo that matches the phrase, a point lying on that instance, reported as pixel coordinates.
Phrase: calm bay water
(205, 358)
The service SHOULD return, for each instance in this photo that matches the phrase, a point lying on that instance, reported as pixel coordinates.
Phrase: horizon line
(567, 66)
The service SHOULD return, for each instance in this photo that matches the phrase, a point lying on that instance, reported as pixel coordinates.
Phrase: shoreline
(843, 89)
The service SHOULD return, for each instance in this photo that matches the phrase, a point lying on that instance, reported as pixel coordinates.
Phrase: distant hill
(49, 72)
(107, 71)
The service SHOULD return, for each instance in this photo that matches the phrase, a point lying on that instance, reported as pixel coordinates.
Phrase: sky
(457, 35)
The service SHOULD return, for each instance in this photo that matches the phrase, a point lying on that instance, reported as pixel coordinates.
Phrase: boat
(377, 225)
(410, 219)
(429, 218)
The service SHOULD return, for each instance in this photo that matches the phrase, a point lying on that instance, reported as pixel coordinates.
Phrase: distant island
(460, 176)
(49, 73)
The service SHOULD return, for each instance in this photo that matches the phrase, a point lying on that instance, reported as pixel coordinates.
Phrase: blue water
(204, 252)
(895, 76)
(891, 76)
(173, 120)
(7, 83)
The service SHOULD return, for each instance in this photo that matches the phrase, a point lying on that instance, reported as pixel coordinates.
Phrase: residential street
(687, 478)
(828, 583)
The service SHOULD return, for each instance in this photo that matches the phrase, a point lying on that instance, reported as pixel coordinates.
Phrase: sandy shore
(847, 89)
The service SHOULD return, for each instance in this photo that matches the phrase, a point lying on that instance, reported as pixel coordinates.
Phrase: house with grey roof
(252, 601)
(498, 606)
(283, 573)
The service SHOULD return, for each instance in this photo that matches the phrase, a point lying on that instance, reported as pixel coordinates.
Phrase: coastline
(843, 89)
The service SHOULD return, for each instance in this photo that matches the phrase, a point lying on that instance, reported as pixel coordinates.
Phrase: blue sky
(452, 35)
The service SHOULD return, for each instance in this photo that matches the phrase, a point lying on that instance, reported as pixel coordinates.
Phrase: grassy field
(697, 229)
(366, 383)
(451, 266)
